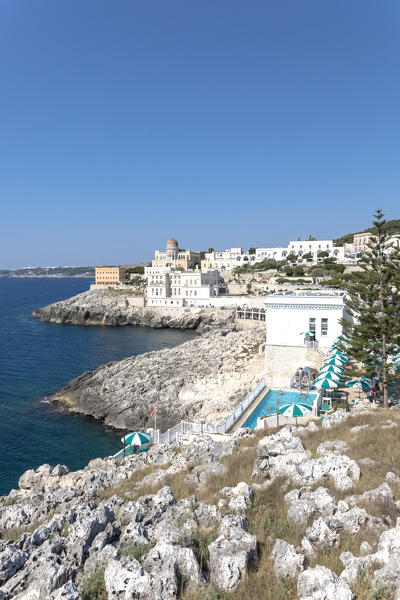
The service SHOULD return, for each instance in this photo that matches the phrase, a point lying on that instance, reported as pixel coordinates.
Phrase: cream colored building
(361, 241)
(110, 275)
(173, 256)
(167, 286)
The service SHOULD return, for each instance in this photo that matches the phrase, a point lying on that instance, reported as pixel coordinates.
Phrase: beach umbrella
(335, 360)
(326, 384)
(295, 409)
(136, 438)
(334, 353)
(331, 369)
(322, 378)
(333, 376)
(362, 383)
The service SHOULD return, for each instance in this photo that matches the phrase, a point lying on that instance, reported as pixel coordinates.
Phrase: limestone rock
(127, 579)
(335, 418)
(320, 583)
(202, 389)
(335, 447)
(231, 553)
(67, 592)
(11, 560)
(287, 562)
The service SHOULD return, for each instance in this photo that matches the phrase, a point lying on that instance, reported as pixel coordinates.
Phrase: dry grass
(14, 533)
(381, 445)
(129, 488)
(267, 515)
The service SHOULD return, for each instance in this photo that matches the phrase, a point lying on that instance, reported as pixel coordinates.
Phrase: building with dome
(173, 256)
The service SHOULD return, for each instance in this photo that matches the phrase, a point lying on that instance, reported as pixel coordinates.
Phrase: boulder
(11, 560)
(231, 553)
(67, 592)
(321, 583)
(335, 447)
(334, 418)
(237, 498)
(127, 579)
(287, 562)
(305, 503)
(89, 522)
(320, 536)
(187, 565)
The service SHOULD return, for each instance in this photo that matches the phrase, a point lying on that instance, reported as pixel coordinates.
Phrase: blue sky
(221, 123)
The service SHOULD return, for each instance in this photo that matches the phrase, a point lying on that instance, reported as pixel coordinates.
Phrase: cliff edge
(202, 379)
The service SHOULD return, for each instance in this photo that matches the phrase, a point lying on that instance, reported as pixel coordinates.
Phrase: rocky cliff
(112, 307)
(307, 513)
(202, 380)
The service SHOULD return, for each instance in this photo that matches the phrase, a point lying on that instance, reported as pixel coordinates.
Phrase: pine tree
(373, 298)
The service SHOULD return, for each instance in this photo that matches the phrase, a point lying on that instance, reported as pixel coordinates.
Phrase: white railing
(185, 427)
(241, 408)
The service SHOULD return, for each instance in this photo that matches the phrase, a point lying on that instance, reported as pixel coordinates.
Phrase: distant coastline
(85, 271)
(59, 276)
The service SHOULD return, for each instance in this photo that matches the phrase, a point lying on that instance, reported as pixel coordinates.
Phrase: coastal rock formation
(146, 528)
(201, 380)
(117, 307)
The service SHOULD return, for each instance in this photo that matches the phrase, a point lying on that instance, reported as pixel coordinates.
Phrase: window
(324, 326)
(311, 326)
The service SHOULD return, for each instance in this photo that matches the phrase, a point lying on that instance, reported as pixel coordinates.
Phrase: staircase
(316, 357)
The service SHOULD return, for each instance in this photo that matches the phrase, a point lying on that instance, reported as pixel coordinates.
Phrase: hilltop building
(227, 260)
(110, 275)
(173, 256)
(361, 241)
(167, 286)
(300, 248)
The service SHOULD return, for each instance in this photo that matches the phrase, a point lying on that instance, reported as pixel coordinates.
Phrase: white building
(301, 248)
(289, 316)
(227, 260)
(278, 253)
(167, 286)
(314, 247)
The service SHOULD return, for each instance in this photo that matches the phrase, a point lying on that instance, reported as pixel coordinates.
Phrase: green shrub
(93, 586)
(136, 550)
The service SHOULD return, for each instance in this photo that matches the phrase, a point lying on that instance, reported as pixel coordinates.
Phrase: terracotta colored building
(110, 275)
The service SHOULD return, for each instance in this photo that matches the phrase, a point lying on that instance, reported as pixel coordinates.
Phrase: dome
(172, 242)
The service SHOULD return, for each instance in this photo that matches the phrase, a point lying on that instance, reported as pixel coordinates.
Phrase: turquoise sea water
(273, 400)
(36, 359)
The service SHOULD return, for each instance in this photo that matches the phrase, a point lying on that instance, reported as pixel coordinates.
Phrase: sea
(37, 359)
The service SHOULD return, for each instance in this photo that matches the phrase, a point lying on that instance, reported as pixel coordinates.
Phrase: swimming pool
(273, 400)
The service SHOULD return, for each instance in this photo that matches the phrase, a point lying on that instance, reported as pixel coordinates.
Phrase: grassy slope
(267, 515)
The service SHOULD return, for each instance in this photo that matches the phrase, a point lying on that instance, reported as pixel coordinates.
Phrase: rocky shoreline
(303, 513)
(113, 308)
(201, 380)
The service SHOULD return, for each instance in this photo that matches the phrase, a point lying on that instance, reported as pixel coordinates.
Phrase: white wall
(288, 316)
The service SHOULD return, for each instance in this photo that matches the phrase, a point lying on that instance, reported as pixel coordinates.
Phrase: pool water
(273, 400)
